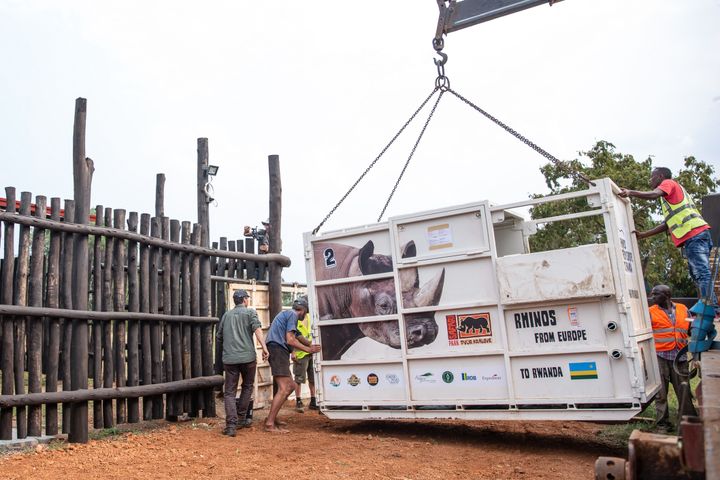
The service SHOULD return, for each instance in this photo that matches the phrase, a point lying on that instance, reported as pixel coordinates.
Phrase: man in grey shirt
(235, 334)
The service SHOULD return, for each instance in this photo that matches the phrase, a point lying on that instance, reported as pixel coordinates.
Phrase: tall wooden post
(203, 206)
(82, 179)
(160, 195)
(6, 296)
(275, 242)
(205, 288)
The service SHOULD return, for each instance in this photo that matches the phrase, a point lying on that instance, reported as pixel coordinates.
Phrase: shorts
(279, 360)
(303, 370)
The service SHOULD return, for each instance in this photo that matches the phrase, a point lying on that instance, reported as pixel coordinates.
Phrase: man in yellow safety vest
(684, 224)
(670, 324)
(303, 367)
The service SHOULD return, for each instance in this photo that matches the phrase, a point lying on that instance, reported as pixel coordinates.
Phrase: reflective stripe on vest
(681, 217)
(667, 336)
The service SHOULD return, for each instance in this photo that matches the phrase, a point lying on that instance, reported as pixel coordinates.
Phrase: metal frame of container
(592, 296)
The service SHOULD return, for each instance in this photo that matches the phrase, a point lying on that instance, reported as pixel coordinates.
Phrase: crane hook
(440, 64)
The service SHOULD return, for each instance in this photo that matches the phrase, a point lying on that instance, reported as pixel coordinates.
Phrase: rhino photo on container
(371, 298)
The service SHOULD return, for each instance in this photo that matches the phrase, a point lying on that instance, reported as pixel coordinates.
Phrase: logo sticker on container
(372, 379)
(583, 371)
(354, 380)
(439, 236)
(448, 376)
(573, 316)
(469, 329)
(335, 381)
(427, 377)
(392, 378)
(466, 377)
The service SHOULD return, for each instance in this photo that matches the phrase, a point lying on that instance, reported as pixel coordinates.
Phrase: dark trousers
(232, 377)
(669, 377)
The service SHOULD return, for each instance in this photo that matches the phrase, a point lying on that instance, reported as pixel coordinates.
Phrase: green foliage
(662, 262)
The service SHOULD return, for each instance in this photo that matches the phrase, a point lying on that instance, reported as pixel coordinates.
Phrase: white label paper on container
(439, 236)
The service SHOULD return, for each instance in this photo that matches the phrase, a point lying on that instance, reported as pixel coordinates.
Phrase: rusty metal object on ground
(651, 456)
(610, 468)
(654, 456)
(693, 446)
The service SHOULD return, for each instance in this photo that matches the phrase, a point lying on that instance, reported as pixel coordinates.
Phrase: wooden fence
(151, 333)
(117, 312)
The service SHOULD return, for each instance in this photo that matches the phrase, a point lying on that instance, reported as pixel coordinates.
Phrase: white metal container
(447, 314)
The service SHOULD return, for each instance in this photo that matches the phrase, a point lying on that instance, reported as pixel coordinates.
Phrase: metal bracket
(456, 15)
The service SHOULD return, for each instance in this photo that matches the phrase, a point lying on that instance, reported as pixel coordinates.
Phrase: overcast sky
(325, 85)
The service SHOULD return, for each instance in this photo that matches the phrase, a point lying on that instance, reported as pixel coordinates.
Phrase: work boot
(313, 404)
(229, 431)
(299, 406)
(246, 423)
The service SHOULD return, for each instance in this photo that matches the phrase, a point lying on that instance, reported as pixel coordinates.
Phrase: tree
(661, 261)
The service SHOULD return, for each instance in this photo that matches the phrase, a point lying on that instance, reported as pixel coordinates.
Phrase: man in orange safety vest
(670, 324)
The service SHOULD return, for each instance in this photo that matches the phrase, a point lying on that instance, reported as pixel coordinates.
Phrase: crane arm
(456, 15)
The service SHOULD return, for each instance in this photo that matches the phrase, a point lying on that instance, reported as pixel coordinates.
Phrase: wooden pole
(208, 355)
(146, 364)
(108, 357)
(111, 393)
(175, 329)
(20, 299)
(124, 234)
(119, 306)
(97, 327)
(167, 308)
(203, 204)
(186, 310)
(250, 263)
(155, 329)
(133, 414)
(240, 265)
(6, 296)
(66, 302)
(275, 241)
(35, 332)
(34, 312)
(160, 195)
(197, 403)
(205, 287)
(82, 180)
(231, 261)
(53, 301)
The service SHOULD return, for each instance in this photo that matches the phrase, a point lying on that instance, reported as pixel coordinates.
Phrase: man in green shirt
(235, 334)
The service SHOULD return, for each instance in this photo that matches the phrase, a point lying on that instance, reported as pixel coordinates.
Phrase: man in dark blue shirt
(281, 340)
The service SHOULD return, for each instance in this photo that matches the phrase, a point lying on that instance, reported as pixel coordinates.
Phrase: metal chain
(412, 117)
(556, 161)
(412, 152)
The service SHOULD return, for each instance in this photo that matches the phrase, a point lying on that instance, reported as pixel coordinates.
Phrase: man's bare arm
(653, 231)
(652, 195)
(261, 340)
(293, 342)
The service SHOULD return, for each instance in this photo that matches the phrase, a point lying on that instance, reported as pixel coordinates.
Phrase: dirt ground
(317, 448)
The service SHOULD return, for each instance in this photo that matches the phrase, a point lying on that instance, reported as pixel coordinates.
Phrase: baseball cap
(300, 302)
(240, 294)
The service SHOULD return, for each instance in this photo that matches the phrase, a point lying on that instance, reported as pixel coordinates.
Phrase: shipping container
(449, 314)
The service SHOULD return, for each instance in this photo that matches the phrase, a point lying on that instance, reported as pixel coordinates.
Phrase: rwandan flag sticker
(583, 371)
